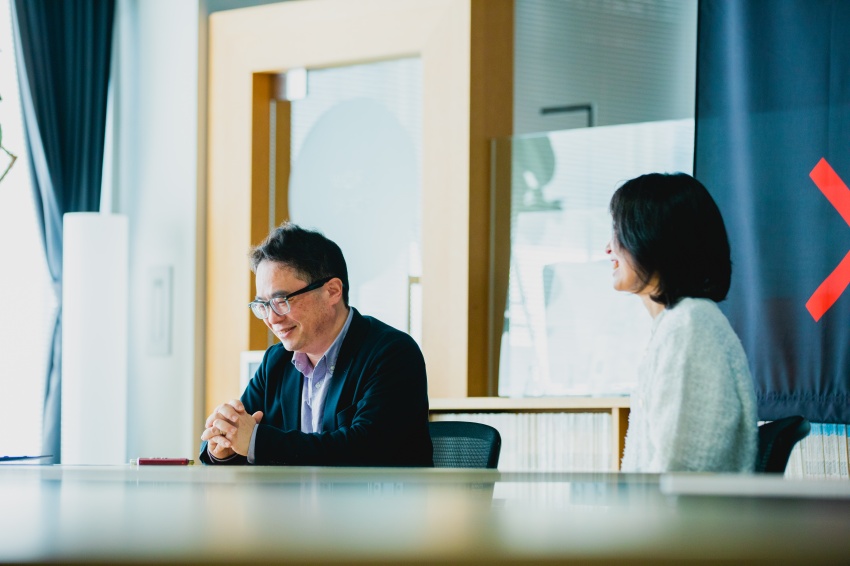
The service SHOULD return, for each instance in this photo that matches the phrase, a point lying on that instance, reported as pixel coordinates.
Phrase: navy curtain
(63, 52)
(773, 147)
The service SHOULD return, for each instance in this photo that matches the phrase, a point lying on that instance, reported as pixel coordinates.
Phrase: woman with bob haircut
(694, 408)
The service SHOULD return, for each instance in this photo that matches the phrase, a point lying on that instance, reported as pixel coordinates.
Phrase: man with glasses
(340, 389)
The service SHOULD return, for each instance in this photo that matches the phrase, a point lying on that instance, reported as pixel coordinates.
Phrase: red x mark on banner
(837, 193)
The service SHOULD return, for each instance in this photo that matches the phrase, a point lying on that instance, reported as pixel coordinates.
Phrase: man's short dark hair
(308, 252)
(672, 228)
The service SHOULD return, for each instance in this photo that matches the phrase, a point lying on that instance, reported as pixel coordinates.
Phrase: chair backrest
(461, 444)
(776, 440)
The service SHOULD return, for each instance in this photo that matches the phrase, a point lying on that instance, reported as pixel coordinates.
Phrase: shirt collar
(328, 360)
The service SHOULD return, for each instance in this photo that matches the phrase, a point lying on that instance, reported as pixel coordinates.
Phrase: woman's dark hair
(308, 252)
(672, 228)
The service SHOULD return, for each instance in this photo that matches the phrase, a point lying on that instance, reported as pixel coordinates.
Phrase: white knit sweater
(694, 408)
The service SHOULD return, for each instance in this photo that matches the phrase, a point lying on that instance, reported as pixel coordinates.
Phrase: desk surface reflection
(262, 515)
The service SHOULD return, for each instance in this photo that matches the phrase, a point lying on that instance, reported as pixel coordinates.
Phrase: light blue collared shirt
(316, 378)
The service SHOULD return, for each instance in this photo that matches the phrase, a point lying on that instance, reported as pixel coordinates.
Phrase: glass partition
(356, 176)
(566, 331)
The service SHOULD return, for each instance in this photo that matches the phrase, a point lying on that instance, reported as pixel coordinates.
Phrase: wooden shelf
(528, 404)
(617, 406)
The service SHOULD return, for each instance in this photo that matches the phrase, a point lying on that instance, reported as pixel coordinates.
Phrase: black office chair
(776, 440)
(460, 444)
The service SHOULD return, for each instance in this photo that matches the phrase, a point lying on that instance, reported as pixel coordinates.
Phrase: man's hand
(229, 428)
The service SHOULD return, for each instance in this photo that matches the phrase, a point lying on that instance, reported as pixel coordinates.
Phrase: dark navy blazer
(376, 409)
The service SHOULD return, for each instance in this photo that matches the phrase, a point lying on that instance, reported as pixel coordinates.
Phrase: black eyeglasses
(280, 305)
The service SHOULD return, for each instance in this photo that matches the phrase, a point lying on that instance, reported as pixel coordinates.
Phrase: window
(567, 332)
(356, 158)
(604, 91)
(27, 300)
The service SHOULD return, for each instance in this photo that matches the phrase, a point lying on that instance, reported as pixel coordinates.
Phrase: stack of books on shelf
(822, 454)
(547, 442)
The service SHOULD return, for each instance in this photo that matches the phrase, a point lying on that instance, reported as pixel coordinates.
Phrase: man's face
(309, 323)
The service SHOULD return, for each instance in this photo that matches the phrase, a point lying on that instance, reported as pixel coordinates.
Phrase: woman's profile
(694, 408)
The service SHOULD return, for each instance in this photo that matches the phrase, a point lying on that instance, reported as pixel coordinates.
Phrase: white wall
(155, 177)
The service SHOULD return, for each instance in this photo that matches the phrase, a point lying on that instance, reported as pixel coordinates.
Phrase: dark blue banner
(773, 147)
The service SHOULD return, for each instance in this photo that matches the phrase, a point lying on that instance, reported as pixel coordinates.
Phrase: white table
(262, 515)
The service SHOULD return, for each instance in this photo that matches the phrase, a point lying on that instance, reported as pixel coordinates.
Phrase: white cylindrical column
(94, 339)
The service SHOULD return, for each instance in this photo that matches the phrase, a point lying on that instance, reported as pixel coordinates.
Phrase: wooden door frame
(466, 49)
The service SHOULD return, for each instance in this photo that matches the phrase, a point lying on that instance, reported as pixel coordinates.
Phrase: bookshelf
(616, 407)
(822, 454)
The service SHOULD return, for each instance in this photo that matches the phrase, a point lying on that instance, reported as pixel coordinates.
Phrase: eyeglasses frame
(268, 304)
